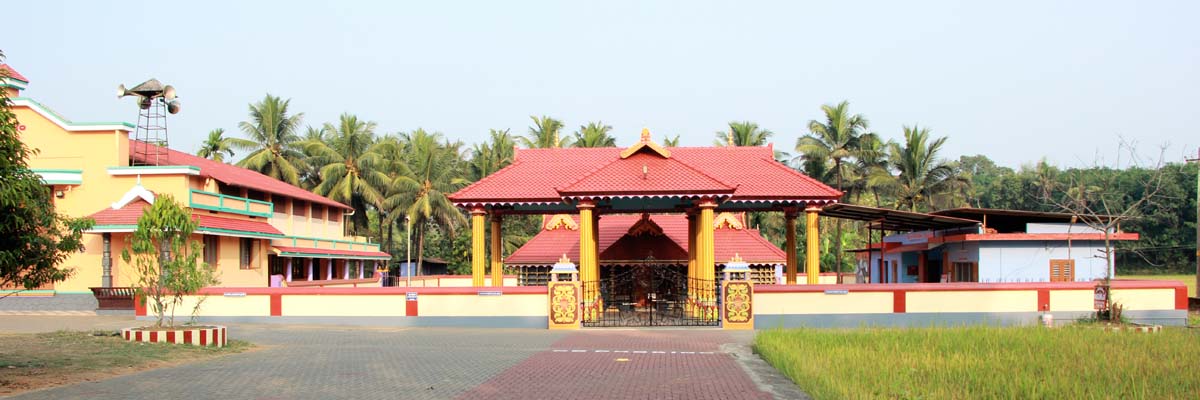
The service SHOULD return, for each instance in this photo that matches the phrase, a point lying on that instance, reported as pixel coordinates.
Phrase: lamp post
(408, 252)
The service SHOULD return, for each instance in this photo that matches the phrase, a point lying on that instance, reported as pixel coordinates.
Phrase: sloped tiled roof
(129, 214)
(333, 252)
(646, 173)
(549, 245)
(12, 73)
(238, 176)
(536, 175)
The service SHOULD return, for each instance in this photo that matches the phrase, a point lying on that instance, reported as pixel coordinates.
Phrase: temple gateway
(648, 226)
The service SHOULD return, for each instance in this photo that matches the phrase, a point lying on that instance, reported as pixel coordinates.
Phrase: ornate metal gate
(649, 295)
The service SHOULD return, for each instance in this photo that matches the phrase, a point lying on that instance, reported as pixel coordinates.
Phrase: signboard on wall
(1100, 297)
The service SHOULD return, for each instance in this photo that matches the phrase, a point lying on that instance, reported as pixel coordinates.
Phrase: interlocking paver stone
(326, 362)
(627, 364)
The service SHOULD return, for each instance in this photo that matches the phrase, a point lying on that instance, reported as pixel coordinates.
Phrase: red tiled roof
(537, 174)
(241, 225)
(129, 215)
(350, 253)
(12, 73)
(238, 176)
(646, 173)
(548, 246)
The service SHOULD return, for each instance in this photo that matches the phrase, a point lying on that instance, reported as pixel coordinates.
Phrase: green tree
(167, 261)
(491, 156)
(671, 142)
(922, 174)
(742, 133)
(836, 140)
(594, 134)
(34, 239)
(274, 145)
(216, 147)
(310, 174)
(434, 172)
(544, 134)
(348, 167)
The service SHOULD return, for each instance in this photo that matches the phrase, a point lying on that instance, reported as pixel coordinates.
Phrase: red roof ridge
(705, 174)
(665, 159)
(13, 74)
(587, 174)
(772, 161)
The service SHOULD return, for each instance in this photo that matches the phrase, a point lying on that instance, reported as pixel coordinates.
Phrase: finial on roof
(729, 137)
(645, 142)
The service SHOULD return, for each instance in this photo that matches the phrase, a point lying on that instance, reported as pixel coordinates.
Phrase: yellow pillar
(706, 260)
(789, 218)
(813, 251)
(497, 265)
(588, 270)
(478, 247)
(595, 252)
(692, 251)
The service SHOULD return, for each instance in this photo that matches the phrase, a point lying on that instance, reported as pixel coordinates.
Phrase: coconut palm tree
(491, 156)
(274, 146)
(434, 171)
(348, 167)
(216, 147)
(835, 140)
(921, 173)
(671, 142)
(742, 133)
(870, 157)
(544, 134)
(594, 134)
(310, 173)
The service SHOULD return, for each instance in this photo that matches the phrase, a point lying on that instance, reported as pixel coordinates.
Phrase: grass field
(1073, 362)
(32, 361)
(1189, 280)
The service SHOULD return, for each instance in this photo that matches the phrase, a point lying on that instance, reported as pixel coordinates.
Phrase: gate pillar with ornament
(564, 295)
(737, 296)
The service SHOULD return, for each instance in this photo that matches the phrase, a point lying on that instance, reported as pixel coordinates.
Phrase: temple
(691, 187)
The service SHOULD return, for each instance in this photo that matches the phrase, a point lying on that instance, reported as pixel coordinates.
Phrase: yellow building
(257, 231)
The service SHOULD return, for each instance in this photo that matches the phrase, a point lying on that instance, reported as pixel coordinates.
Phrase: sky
(1017, 81)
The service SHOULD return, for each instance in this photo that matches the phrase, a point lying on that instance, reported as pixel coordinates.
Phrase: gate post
(564, 296)
(737, 296)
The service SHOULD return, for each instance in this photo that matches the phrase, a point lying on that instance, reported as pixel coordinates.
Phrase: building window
(211, 246)
(247, 252)
(1062, 270)
(965, 272)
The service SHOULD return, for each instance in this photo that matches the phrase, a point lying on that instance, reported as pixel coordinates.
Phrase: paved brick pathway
(634, 364)
(326, 362)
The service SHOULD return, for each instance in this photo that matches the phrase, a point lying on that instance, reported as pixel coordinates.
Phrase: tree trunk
(420, 251)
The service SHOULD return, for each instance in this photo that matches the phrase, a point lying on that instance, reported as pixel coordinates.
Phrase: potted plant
(168, 269)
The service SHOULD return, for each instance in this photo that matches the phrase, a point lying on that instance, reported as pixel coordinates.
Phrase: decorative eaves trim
(155, 170)
(136, 192)
(68, 125)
